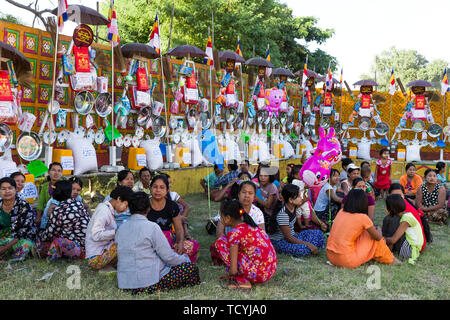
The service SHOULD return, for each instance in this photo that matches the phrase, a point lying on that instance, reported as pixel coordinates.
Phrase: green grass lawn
(305, 278)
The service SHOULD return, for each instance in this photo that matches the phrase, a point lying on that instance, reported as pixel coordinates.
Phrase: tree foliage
(258, 23)
(10, 18)
(409, 65)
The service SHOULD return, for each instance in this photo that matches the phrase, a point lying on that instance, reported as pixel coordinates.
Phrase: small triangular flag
(245, 137)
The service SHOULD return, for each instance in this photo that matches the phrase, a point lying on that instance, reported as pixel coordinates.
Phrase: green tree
(409, 65)
(257, 23)
(10, 18)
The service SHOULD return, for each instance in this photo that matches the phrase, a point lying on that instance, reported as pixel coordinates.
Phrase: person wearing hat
(353, 172)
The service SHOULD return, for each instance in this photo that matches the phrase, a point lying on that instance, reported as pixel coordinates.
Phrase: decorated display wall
(38, 47)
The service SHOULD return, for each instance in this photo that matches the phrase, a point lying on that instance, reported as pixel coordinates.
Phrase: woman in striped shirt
(284, 239)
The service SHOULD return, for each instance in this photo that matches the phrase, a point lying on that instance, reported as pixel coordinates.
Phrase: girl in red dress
(383, 173)
(247, 251)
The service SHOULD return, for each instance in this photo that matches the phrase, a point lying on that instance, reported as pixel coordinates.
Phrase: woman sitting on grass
(47, 188)
(328, 200)
(246, 250)
(146, 262)
(101, 251)
(353, 239)
(411, 182)
(391, 223)
(166, 214)
(19, 179)
(359, 183)
(65, 232)
(284, 238)
(17, 222)
(184, 208)
(409, 226)
(77, 186)
(430, 198)
(246, 195)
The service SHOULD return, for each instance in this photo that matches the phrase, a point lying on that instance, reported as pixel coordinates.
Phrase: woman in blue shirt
(146, 262)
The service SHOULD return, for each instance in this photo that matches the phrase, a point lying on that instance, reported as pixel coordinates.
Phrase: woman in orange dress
(353, 239)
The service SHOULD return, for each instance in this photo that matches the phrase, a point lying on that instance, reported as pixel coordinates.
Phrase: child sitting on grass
(302, 212)
(101, 250)
(246, 250)
(409, 226)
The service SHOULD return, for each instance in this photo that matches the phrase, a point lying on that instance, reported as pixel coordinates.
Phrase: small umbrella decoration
(9, 52)
(365, 83)
(131, 49)
(283, 72)
(186, 51)
(420, 83)
(230, 55)
(259, 62)
(83, 15)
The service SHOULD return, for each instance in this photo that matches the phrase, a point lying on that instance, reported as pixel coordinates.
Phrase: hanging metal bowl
(315, 138)
(84, 102)
(49, 138)
(259, 117)
(338, 127)
(406, 142)
(159, 127)
(230, 115)
(90, 135)
(29, 146)
(290, 122)
(382, 128)
(240, 121)
(434, 130)
(119, 141)
(99, 136)
(55, 108)
(423, 143)
(364, 124)
(418, 125)
(176, 138)
(63, 136)
(205, 120)
(274, 121)
(79, 132)
(139, 133)
(250, 121)
(173, 123)
(325, 122)
(283, 118)
(266, 117)
(6, 137)
(144, 114)
(103, 104)
(191, 117)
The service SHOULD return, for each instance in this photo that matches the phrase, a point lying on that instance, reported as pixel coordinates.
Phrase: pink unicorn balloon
(316, 170)
(274, 98)
(328, 147)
